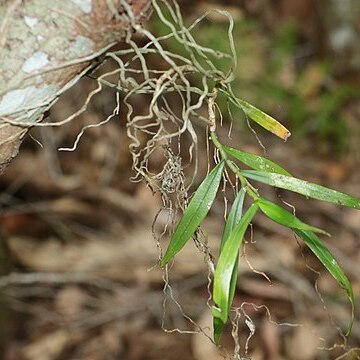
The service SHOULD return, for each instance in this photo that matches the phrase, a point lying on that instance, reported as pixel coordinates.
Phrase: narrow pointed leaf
(218, 323)
(284, 217)
(324, 255)
(232, 220)
(256, 162)
(195, 213)
(263, 119)
(303, 187)
(234, 216)
(219, 326)
(226, 263)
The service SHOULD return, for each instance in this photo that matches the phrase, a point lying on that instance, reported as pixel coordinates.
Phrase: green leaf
(327, 259)
(218, 323)
(232, 220)
(226, 263)
(219, 326)
(284, 217)
(195, 213)
(303, 187)
(256, 162)
(234, 216)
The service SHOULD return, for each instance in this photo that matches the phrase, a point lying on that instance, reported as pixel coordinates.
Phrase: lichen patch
(21, 99)
(84, 5)
(82, 46)
(30, 21)
(37, 61)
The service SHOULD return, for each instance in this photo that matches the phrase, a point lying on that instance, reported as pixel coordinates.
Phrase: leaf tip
(321, 231)
(286, 135)
(219, 326)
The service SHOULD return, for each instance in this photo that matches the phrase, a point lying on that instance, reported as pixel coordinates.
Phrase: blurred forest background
(77, 256)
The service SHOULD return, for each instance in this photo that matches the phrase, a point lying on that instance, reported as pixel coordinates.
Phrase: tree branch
(45, 47)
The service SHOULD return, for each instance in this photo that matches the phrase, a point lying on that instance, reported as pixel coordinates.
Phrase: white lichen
(27, 98)
(82, 46)
(30, 21)
(84, 5)
(37, 61)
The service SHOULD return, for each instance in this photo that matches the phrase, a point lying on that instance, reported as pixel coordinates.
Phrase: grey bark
(45, 47)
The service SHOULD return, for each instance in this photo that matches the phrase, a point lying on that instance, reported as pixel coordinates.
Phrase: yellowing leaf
(265, 120)
(261, 118)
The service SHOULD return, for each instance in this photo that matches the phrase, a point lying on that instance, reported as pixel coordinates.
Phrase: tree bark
(45, 47)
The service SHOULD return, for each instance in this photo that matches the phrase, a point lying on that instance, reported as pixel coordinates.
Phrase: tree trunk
(45, 47)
